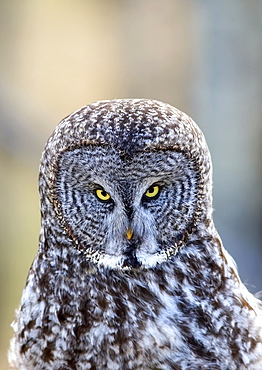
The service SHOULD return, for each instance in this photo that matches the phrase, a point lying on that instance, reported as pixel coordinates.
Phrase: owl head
(128, 181)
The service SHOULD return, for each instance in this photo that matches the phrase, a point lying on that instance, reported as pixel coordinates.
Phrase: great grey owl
(130, 271)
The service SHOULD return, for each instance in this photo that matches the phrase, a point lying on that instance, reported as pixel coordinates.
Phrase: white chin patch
(151, 260)
(122, 262)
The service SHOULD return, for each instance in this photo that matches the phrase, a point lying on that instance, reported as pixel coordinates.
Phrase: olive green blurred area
(204, 57)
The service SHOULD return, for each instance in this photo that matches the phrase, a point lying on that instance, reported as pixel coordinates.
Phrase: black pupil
(103, 193)
(151, 189)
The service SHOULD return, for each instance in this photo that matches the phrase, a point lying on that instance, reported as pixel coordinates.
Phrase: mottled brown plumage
(130, 271)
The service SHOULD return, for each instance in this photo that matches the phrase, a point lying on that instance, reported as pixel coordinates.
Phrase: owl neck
(201, 261)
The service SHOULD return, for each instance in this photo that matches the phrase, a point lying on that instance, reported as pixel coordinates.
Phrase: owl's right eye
(102, 195)
(152, 192)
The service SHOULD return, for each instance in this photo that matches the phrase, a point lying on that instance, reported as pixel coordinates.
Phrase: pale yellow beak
(129, 233)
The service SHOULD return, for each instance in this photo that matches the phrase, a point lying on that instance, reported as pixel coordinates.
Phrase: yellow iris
(102, 195)
(152, 191)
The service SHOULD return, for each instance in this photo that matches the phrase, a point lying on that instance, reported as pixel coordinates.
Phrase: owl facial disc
(121, 213)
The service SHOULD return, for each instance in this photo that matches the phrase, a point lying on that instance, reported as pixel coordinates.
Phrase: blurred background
(204, 57)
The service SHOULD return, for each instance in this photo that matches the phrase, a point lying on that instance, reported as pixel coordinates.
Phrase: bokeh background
(204, 57)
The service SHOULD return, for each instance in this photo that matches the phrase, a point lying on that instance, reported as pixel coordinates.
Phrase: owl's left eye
(152, 192)
(102, 195)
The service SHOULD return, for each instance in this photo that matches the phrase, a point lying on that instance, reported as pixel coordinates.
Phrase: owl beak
(129, 233)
